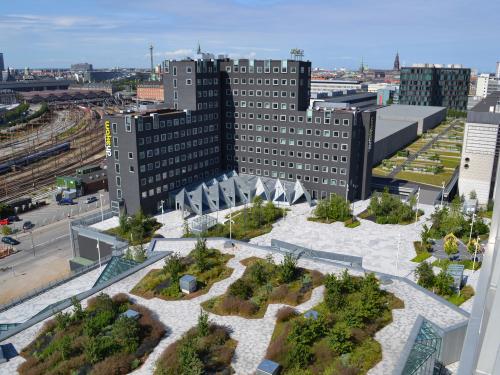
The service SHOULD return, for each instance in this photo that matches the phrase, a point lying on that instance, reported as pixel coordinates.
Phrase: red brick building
(152, 91)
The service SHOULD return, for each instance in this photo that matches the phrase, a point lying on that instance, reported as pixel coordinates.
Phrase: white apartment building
(327, 85)
(482, 85)
(480, 149)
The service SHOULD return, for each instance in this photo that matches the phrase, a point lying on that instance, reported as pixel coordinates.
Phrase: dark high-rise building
(2, 66)
(396, 62)
(81, 67)
(251, 116)
(435, 86)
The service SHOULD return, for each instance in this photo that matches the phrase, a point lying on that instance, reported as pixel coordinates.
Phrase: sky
(332, 33)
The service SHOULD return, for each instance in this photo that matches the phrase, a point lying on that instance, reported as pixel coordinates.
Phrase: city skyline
(110, 33)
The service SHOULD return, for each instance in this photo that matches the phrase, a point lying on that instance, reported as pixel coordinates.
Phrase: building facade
(250, 116)
(326, 85)
(480, 149)
(482, 85)
(435, 86)
(2, 66)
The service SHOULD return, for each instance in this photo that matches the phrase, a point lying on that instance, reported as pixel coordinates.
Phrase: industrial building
(435, 85)
(248, 116)
(480, 149)
(427, 117)
(327, 85)
(35, 85)
(391, 136)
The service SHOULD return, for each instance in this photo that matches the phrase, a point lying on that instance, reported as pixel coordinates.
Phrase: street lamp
(32, 243)
(100, 201)
(475, 255)
(99, 253)
(162, 221)
(346, 191)
(442, 195)
(471, 225)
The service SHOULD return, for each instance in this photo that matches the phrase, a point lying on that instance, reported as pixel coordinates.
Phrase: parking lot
(53, 212)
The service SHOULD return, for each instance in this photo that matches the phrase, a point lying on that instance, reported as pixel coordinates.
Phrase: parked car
(10, 241)
(5, 221)
(14, 218)
(65, 202)
(27, 225)
(91, 199)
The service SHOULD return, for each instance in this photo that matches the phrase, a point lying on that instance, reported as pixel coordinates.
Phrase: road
(32, 268)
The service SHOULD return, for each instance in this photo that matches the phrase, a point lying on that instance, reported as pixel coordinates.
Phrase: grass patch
(97, 340)
(466, 293)
(444, 263)
(429, 179)
(341, 340)
(352, 223)
(205, 349)
(159, 283)
(262, 283)
(422, 253)
(248, 223)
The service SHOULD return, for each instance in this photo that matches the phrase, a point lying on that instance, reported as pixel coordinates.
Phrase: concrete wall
(431, 121)
(88, 248)
(394, 142)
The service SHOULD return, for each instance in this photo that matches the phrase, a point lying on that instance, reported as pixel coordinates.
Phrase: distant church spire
(198, 51)
(362, 67)
(396, 61)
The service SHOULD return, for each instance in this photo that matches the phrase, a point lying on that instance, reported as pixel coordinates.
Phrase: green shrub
(339, 338)
(288, 268)
(240, 289)
(173, 266)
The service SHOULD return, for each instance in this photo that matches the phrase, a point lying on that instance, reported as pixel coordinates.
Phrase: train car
(33, 158)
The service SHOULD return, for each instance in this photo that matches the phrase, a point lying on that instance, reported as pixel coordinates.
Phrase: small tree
(201, 254)
(472, 194)
(425, 236)
(339, 338)
(288, 268)
(186, 232)
(123, 225)
(450, 244)
(173, 266)
(425, 275)
(269, 212)
(203, 324)
(444, 283)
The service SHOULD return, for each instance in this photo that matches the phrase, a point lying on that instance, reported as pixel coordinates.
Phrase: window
(130, 155)
(188, 81)
(188, 69)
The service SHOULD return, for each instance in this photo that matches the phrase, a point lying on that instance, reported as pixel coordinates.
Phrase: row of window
(179, 171)
(260, 81)
(290, 130)
(276, 117)
(291, 153)
(260, 69)
(178, 183)
(177, 134)
(179, 158)
(326, 157)
(188, 119)
(266, 93)
(291, 176)
(289, 141)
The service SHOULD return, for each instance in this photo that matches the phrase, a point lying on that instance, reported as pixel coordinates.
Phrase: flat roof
(385, 128)
(485, 104)
(350, 97)
(408, 111)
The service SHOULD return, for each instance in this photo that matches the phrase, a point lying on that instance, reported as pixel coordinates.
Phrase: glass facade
(424, 354)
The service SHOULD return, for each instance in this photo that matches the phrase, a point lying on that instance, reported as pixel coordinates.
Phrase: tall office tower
(2, 67)
(498, 70)
(435, 85)
(480, 351)
(480, 149)
(250, 116)
(396, 62)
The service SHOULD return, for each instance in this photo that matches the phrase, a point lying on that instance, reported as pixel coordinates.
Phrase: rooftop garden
(442, 284)
(205, 349)
(99, 340)
(265, 282)
(208, 266)
(332, 209)
(339, 338)
(247, 223)
(386, 208)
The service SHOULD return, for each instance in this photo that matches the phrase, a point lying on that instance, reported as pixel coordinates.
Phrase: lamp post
(471, 226)
(162, 219)
(346, 191)
(475, 255)
(99, 253)
(100, 202)
(442, 194)
(32, 243)
(416, 206)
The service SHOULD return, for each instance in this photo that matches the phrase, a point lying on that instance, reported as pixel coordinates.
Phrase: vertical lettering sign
(107, 138)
